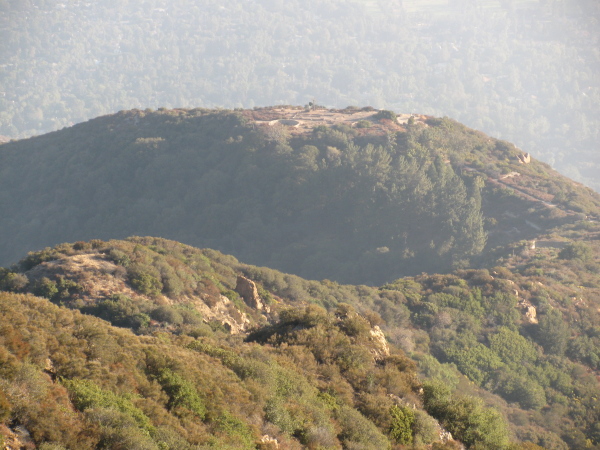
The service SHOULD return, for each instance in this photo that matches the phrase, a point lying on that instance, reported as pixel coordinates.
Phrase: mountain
(525, 71)
(193, 349)
(354, 195)
(481, 319)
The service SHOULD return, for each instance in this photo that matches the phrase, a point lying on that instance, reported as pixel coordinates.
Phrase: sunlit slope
(520, 337)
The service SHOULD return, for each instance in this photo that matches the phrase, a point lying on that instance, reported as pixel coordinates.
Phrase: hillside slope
(520, 338)
(307, 378)
(357, 196)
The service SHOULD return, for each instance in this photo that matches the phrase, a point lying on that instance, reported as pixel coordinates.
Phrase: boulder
(268, 443)
(248, 291)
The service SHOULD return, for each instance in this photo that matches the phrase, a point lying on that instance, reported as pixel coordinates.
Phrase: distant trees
(12, 281)
(553, 332)
(265, 65)
(576, 250)
(385, 114)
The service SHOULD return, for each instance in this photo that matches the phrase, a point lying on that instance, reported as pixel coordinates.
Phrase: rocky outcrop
(16, 438)
(531, 314)
(221, 310)
(529, 311)
(248, 291)
(380, 349)
(268, 443)
(524, 158)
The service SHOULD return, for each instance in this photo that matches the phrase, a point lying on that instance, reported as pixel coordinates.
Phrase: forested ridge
(525, 71)
(360, 201)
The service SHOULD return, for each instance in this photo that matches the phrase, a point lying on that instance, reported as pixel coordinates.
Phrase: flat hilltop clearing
(298, 120)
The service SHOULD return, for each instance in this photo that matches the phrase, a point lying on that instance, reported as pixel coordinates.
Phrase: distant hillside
(525, 71)
(357, 195)
(228, 355)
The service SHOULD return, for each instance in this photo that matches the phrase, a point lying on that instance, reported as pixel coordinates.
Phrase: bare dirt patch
(300, 120)
(98, 277)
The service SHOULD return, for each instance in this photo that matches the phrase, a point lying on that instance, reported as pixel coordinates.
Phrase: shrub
(191, 317)
(402, 420)
(96, 243)
(181, 392)
(235, 430)
(354, 326)
(576, 250)
(553, 332)
(173, 285)
(145, 279)
(44, 287)
(472, 358)
(276, 413)
(425, 428)
(346, 129)
(34, 258)
(119, 257)
(357, 431)
(167, 314)
(81, 245)
(119, 430)
(385, 114)
(66, 289)
(51, 446)
(309, 317)
(11, 281)
(466, 418)
(85, 394)
(514, 349)
(122, 311)
(585, 349)
(516, 388)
